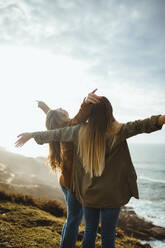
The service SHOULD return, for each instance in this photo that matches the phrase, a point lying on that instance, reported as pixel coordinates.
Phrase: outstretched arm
(148, 125)
(66, 134)
(43, 106)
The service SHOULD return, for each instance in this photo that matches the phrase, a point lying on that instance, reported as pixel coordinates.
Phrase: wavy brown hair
(92, 137)
(55, 119)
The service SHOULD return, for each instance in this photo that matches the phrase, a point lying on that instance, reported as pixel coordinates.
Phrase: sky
(58, 51)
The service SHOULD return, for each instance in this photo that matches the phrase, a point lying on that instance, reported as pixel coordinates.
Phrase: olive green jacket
(117, 184)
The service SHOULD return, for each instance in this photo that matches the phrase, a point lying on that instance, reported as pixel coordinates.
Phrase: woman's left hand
(22, 139)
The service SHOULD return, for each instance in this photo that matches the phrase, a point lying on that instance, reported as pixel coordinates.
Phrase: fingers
(19, 143)
(94, 91)
(93, 99)
(21, 134)
(39, 103)
(22, 139)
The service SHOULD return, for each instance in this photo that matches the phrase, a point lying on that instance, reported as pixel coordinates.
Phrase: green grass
(26, 224)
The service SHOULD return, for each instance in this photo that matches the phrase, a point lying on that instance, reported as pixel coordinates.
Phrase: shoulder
(115, 128)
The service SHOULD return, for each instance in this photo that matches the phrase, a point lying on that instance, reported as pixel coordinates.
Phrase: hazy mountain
(28, 175)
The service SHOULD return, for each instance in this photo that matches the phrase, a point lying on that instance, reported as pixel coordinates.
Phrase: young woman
(61, 160)
(104, 176)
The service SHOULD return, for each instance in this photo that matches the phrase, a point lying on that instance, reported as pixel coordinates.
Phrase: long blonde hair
(55, 119)
(92, 137)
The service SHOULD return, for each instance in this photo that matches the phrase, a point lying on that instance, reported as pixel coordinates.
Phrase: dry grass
(28, 222)
(54, 207)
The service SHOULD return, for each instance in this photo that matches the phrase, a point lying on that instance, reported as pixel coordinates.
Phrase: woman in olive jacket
(104, 177)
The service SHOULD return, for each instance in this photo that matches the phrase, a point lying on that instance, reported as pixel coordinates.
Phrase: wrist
(30, 135)
(161, 120)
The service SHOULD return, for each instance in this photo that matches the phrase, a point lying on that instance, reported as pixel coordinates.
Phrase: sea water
(149, 162)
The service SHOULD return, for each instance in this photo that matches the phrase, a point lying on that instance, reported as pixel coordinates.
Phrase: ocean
(149, 162)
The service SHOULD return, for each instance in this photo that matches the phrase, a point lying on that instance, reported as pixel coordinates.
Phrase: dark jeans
(109, 217)
(74, 217)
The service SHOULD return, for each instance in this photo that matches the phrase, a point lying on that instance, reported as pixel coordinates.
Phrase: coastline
(140, 228)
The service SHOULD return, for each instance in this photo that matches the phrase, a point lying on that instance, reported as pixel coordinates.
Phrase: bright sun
(28, 75)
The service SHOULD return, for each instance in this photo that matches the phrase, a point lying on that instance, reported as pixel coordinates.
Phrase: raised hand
(43, 106)
(92, 97)
(22, 139)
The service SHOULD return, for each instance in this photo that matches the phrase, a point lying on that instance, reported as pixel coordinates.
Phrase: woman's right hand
(92, 98)
(22, 139)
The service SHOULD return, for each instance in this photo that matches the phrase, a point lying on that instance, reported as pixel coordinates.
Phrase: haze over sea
(149, 162)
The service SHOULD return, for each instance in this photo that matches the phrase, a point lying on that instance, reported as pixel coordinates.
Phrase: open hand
(22, 139)
(92, 97)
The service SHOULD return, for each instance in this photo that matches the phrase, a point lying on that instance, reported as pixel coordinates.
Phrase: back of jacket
(117, 184)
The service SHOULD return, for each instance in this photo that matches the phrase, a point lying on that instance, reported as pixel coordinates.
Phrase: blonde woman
(104, 176)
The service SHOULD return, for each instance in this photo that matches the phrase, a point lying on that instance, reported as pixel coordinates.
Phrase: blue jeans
(109, 217)
(74, 217)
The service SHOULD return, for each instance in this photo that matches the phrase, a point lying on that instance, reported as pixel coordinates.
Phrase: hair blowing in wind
(92, 137)
(54, 119)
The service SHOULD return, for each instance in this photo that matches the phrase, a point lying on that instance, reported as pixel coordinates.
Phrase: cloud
(119, 39)
(118, 47)
(84, 29)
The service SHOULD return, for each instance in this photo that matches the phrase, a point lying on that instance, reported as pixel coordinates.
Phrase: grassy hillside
(37, 223)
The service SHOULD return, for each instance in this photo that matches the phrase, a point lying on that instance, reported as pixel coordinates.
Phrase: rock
(158, 232)
(139, 227)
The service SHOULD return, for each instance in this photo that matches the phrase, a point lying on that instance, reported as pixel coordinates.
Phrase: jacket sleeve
(130, 129)
(82, 115)
(67, 134)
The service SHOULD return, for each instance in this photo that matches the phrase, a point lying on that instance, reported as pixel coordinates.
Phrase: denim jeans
(109, 217)
(74, 217)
